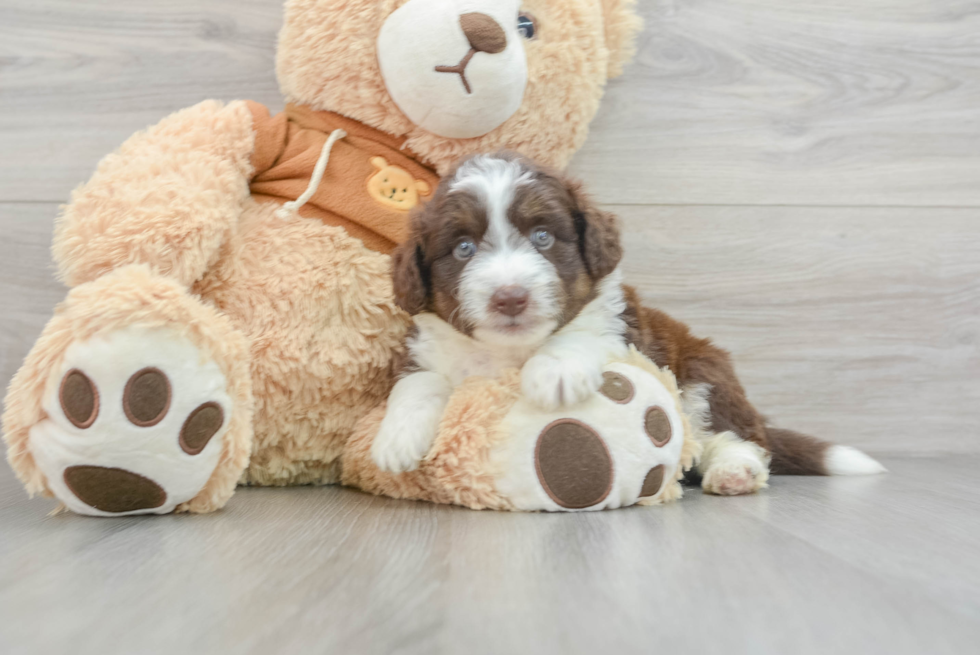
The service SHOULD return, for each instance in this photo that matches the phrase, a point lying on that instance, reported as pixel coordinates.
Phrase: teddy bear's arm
(168, 197)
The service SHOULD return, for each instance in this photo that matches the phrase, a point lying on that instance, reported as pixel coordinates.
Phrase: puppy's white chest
(441, 349)
(486, 364)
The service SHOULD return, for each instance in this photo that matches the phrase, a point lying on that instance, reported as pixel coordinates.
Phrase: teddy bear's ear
(379, 162)
(422, 187)
(622, 25)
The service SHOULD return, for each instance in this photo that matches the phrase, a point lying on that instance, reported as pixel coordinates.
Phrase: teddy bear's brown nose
(483, 33)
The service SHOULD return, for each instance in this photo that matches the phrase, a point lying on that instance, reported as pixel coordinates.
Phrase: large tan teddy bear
(231, 316)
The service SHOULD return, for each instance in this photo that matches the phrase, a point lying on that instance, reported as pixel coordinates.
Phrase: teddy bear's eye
(527, 26)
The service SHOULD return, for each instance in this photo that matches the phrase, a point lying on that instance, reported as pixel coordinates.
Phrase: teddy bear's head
(457, 77)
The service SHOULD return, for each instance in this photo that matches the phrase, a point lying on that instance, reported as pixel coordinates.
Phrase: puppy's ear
(410, 276)
(598, 234)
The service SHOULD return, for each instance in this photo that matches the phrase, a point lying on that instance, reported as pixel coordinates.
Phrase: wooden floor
(886, 564)
(798, 180)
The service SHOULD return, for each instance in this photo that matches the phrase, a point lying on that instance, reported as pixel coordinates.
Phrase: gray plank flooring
(812, 565)
(800, 181)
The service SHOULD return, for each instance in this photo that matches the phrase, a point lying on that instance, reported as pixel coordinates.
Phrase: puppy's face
(506, 251)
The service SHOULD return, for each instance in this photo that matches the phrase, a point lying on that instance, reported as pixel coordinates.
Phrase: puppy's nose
(483, 33)
(510, 301)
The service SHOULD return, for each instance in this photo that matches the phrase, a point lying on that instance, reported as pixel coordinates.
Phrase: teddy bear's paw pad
(113, 490)
(203, 423)
(653, 482)
(616, 387)
(657, 426)
(573, 464)
(79, 399)
(146, 398)
(135, 423)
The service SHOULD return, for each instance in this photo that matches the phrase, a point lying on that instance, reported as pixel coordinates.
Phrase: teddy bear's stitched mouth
(484, 35)
(460, 68)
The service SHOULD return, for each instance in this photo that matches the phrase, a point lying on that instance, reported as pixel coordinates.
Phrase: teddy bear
(230, 318)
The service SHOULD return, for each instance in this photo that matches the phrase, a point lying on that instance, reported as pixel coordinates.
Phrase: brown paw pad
(616, 387)
(203, 423)
(146, 398)
(573, 464)
(113, 490)
(657, 426)
(79, 399)
(653, 482)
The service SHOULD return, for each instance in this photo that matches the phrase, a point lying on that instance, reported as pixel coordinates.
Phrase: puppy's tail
(799, 454)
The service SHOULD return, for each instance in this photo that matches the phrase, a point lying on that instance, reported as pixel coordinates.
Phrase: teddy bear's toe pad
(135, 421)
(657, 426)
(616, 387)
(146, 398)
(203, 423)
(653, 481)
(79, 399)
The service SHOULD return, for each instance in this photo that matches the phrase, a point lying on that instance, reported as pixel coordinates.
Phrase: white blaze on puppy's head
(506, 252)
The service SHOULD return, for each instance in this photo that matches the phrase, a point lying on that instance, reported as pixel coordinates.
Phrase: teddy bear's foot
(620, 447)
(137, 418)
(135, 421)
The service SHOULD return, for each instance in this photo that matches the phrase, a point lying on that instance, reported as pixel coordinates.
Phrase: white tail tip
(844, 460)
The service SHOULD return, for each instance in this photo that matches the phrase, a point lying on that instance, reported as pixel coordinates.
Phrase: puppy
(511, 265)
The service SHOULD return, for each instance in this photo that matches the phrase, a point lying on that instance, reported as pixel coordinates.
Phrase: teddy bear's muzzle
(481, 49)
(484, 35)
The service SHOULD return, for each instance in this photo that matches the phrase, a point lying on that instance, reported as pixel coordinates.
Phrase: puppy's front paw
(550, 382)
(400, 445)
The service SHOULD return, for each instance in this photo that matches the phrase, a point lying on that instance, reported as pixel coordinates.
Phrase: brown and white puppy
(512, 266)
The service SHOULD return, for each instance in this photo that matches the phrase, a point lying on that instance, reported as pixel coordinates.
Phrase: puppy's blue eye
(464, 250)
(542, 238)
(526, 25)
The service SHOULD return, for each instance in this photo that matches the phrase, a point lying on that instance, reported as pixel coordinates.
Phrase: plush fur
(307, 311)
(169, 197)
(579, 45)
(323, 330)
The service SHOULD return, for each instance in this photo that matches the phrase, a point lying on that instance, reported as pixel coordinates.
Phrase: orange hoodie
(370, 184)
